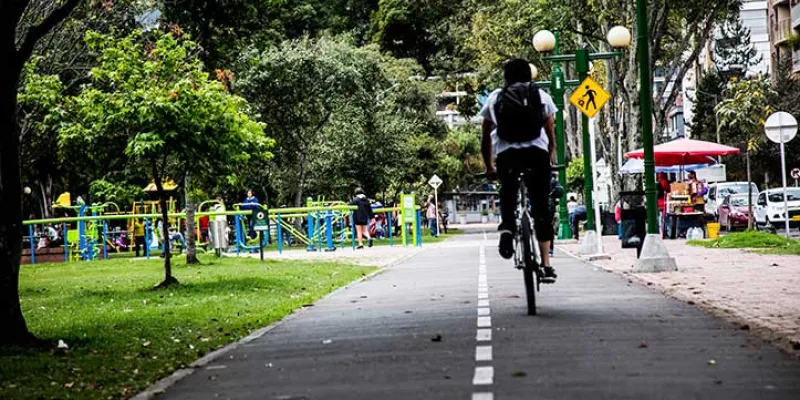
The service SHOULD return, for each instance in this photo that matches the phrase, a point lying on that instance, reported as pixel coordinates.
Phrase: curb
(786, 344)
(165, 383)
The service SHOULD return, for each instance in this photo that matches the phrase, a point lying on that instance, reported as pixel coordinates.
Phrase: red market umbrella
(685, 151)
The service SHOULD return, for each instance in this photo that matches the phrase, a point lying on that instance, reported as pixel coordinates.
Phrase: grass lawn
(762, 242)
(123, 335)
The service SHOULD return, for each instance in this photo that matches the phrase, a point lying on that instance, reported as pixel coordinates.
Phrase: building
(784, 24)
(755, 15)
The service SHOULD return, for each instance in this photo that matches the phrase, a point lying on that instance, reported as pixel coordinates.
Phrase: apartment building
(784, 24)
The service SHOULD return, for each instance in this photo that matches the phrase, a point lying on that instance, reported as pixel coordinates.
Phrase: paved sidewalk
(451, 323)
(757, 292)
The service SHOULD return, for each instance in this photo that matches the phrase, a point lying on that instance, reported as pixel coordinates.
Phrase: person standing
(361, 217)
(431, 215)
(138, 235)
(250, 203)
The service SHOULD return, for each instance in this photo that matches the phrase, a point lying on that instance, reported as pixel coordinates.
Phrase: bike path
(597, 336)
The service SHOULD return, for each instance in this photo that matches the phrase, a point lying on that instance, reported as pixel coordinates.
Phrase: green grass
(767, 243)
(123, 335)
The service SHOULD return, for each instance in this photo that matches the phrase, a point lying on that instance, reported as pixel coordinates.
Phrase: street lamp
(545, 41)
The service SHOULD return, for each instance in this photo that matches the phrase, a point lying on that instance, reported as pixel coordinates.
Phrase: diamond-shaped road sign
(435, 181)
(589, 97)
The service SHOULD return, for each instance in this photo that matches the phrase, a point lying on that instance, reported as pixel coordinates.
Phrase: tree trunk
(13, 329)
(162, 200)
(298, 198)
(191, 238)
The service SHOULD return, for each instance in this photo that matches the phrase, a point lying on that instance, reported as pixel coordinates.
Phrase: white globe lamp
(544, 41)
(619, 37)
(534, 72)
(27, 190)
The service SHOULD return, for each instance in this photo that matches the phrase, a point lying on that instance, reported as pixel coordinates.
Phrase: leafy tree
(151, 101)
(575, 176)
(461, 158)
(742, 114)
(734, 49)
(707, 95)
(23, 28)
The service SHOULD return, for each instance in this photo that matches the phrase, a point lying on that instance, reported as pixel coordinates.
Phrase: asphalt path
(451, 323)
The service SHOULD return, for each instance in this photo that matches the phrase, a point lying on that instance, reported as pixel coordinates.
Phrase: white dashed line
(484, 335)
(483, 376)
(483, 353)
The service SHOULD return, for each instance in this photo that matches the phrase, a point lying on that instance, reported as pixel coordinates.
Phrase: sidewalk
(760, 293)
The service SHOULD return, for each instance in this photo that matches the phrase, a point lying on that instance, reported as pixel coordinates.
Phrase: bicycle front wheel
(529, 270)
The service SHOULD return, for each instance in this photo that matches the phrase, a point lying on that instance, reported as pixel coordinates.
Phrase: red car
(733, 212)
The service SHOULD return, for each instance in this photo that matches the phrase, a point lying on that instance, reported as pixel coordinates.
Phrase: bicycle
(527, 254)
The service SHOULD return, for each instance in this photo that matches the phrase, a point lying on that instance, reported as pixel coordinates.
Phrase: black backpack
(519, 114)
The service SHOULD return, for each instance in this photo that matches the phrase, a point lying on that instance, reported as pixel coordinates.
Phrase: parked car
(718, 191)
(733, 212)
(770, 212)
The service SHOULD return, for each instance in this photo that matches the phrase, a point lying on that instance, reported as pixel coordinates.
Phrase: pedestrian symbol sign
(589, 97)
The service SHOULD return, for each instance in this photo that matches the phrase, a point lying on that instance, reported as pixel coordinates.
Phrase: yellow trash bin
(713, 230)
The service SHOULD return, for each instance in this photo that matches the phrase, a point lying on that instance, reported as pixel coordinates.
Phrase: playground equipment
(86, 235)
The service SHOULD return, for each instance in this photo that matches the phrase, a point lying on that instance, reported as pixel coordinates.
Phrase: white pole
(598, 227)
(436, 200)
(785, 200)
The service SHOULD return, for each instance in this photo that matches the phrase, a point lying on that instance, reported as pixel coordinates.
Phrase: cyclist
(518, 131)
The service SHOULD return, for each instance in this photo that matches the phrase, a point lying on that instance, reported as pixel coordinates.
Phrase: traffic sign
(589, 97)
(781, 127)
(795, 173)
(435, 181)
(260, 221)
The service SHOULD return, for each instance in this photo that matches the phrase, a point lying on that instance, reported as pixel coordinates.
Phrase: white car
(718, 191)
(769, 210)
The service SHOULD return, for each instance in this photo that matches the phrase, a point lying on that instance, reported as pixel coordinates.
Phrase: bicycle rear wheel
(529, 270)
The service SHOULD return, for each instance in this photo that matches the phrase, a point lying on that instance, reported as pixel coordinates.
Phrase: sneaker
(506, 244)
(360, 247)
(369, 243)
(549, 275)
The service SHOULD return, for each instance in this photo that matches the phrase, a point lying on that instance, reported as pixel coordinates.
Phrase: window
(792, 194)
(762, 200)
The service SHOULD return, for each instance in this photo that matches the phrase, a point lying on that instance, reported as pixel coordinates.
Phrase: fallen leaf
(643, 345)
(519, 374)
(437, 338)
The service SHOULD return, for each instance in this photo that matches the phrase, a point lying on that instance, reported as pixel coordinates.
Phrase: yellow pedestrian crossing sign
(589, 97)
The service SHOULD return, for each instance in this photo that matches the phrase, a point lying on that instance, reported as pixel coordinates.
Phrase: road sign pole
(436, 204)
(261, 244)
(596, 204)
(582, 65)
(785, 200)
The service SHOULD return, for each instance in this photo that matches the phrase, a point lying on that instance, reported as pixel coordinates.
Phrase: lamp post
(545, 41)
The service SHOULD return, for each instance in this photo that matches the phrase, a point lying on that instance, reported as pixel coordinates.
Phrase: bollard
(33, 246)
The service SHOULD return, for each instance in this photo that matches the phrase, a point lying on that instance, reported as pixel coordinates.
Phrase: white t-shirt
(500, 145)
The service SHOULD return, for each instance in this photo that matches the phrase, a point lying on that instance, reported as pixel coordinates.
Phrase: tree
(733, 50)
(22, 28)
(707, 95)
(151, 101)
(742, 113)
